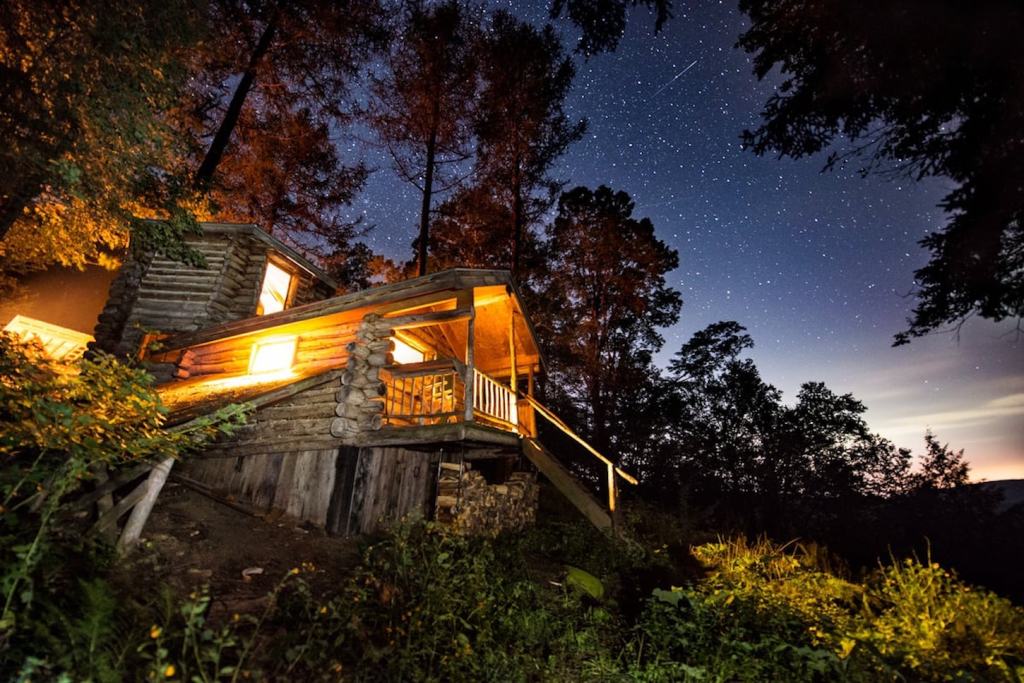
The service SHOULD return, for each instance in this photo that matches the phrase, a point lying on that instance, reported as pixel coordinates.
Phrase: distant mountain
(1012, 490)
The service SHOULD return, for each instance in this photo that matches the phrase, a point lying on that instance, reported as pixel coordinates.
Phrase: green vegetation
(62, 425)
(425, 604)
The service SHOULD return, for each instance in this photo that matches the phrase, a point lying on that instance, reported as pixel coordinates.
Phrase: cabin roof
(259, 233)
(453, 280)
(192, 398)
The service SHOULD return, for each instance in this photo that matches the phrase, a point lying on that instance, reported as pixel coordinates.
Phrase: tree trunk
(227, 126)
(428, 187)
(140, 513)
(517, 221)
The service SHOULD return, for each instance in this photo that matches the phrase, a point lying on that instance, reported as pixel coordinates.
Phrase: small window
(277, 284)
(272, 355)
(406, 353)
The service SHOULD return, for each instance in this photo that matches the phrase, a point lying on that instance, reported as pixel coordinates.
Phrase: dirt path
(197, 541)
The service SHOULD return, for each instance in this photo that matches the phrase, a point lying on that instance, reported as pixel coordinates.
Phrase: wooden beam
(566, 483)
(513, 379)
(408, 322)
(470, 368)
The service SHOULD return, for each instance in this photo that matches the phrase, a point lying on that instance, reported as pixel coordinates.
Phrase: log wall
(317, 349)
(155, 293)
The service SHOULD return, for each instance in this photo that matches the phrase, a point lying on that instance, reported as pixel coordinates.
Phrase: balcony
(435, 393)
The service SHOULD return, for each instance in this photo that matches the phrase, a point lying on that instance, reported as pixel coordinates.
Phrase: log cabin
(412, 398)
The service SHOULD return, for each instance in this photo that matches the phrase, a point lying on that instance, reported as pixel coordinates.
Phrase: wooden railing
(434, 392)
(424, 393)
(612, 469)
(494, 402)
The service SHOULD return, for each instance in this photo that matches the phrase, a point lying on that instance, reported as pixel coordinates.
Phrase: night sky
(815, 265)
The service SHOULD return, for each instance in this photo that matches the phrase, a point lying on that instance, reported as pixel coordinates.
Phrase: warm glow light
(404, 353)
(60, 343)
(274, 295)
(272, 355)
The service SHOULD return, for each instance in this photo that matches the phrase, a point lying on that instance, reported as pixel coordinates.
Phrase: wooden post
(611, 489)
(140, 513)
(469, 381)
(529, 381)
(513, 378)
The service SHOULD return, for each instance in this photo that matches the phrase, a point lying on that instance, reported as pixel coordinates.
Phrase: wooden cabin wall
(153, 292)
(319, 348)
(300, 422)
(389, 484)
(346, 491)
(299, 484)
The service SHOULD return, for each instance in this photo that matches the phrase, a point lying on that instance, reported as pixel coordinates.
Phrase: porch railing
(434, 392)
(494, 402)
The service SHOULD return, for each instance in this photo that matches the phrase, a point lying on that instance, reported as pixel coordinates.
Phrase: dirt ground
(195, 541)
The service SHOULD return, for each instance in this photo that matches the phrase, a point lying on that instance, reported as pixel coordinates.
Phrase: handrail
(494, 399)
(554, 419)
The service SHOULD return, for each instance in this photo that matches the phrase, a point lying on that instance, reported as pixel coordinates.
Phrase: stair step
(566, 483)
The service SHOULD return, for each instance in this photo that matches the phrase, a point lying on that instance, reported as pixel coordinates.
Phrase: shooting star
(676, 78)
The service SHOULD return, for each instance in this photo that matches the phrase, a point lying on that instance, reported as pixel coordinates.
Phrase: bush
(426, 604)
(60, 424)
(774, 612)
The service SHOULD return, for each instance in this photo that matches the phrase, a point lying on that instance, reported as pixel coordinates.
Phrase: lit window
(272, 355)
(274, 295)
(404, 353)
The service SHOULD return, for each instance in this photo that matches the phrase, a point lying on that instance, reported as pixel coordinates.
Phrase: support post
(611, 489)
(529, 381)
(140, 513)
(513, 378)
(470, 343)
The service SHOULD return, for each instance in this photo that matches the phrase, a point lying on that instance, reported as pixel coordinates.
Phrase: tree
(421, 107)
(602, 22)
(605, 297)
(471, 230)
(86, 150)
(766, 465)
(919, 89)
(940, 467)
(266, 101)
(521, 126)
(725, 417)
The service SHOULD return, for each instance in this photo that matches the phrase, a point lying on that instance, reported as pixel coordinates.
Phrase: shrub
(776, 612)
(920, 619)
(60, 423)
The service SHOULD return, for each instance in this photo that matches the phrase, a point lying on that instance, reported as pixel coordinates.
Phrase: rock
(250, 572)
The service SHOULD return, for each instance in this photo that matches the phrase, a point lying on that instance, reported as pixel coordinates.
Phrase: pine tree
(422, 104)
(606, 297)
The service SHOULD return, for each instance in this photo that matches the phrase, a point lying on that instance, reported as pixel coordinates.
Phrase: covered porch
(463, 360)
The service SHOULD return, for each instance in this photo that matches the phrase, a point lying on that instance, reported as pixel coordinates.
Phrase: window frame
(293, 282)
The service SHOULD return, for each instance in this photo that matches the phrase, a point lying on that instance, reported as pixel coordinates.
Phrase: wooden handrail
(555, 420)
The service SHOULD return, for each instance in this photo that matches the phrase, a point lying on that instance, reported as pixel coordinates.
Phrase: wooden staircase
(566, 483)
(563, 479)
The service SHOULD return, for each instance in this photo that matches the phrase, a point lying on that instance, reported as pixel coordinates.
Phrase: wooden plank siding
(389, 484)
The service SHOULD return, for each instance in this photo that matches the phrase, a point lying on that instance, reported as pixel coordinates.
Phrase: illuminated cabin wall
(316, 348)
(156, 293)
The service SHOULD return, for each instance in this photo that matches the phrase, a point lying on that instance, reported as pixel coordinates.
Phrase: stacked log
(471, 506)
(361, 397)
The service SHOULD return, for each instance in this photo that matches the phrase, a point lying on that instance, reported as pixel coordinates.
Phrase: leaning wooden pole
(140, 512)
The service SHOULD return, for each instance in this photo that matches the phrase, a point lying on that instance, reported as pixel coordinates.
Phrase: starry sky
(816, 265)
